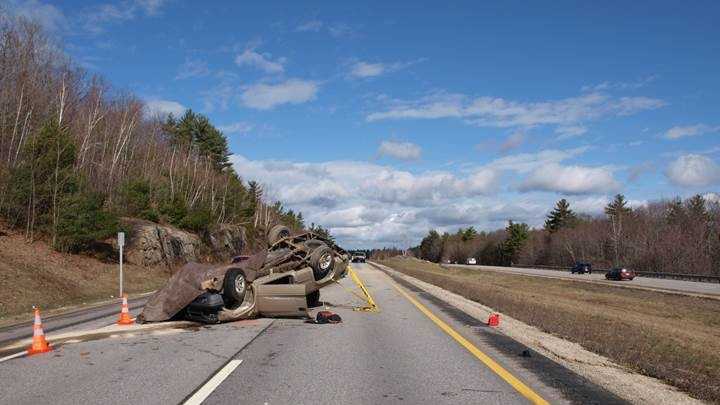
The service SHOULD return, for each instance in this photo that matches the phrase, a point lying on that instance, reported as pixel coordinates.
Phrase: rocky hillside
(32, 273)
(152, 244)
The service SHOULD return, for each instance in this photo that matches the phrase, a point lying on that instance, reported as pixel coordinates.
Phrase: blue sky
(384, 119)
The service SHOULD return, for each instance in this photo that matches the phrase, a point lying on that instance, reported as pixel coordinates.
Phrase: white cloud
(310, 26)
(47, 15)
(365, 69)
(513, 141)
(341, 30)
(236, 128)
(267, 96)
(368, 204)
(332, 182)
(162, 108)
(365, 203)
(678, 132)
(499, 112)
(693, 171)
(636, 171)
(596, 205)
(544, 172)
(604, 86)
(528, 162)
(98, 16)
(400, 150)
(337, 30)
(712, 198)
(218, 97)
(259, 61)
(150, 7)
(570, 131)
(571, 179)
(192, 68)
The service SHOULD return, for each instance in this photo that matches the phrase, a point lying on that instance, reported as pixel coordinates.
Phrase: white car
(471, 260)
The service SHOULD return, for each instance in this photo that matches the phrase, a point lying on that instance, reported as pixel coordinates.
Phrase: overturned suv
(284, 280)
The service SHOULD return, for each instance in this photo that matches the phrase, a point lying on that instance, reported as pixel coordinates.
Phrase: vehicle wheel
(277, 233)
(322, 262)
(234, 286)
(313, 299)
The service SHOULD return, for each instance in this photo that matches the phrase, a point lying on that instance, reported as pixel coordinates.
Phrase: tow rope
(371, 306)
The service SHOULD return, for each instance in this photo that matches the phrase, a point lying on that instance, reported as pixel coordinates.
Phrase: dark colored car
(581, 268)
(620, 274)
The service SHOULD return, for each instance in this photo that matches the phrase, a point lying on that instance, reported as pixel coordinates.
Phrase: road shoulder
(597, 369)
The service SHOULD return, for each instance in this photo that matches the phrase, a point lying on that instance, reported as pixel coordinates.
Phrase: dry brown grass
(672, 337)
(34, 274)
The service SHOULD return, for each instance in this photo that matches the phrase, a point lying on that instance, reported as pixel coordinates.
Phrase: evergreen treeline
(76, 154)
(673, 236)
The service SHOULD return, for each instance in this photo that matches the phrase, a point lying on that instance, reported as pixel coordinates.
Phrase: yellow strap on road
(523, 389)
(371, 307)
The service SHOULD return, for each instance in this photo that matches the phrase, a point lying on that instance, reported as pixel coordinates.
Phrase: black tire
(277, 233)
(322, 261)
(234, 287)
(313, 299)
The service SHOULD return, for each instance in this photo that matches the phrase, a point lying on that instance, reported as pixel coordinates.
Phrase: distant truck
(358, 257)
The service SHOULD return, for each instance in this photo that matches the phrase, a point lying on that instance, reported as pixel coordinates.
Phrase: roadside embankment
(674, 338)
(35, 274)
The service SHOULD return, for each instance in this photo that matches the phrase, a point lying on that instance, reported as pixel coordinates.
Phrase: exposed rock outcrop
(227, 241)
(152, 244)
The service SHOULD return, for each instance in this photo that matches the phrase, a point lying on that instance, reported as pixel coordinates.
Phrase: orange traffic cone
(124, 313)
(494, 320)
(39, 344)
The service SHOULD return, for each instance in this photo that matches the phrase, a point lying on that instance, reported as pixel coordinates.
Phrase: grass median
(675, 338)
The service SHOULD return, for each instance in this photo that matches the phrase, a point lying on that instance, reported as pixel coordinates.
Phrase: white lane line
(207, 389)
(12, 356)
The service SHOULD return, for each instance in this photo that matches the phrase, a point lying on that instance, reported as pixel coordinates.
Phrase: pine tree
(617, 207)
(617, 210)
(696, 208)
(517, 234)
(197, 131)
(42, 179)
(560, 217)
(431, 246)
(468, 234)
(323, 232)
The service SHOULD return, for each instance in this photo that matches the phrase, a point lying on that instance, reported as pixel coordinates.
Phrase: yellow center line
(523, 389)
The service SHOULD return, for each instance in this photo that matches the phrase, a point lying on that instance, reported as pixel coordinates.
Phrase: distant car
(620, 274)
(359, 257)
(581, 268)
(471, 260)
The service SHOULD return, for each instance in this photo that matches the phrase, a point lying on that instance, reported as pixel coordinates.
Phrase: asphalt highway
(416, 349)
(83, 318)
(681, 286)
